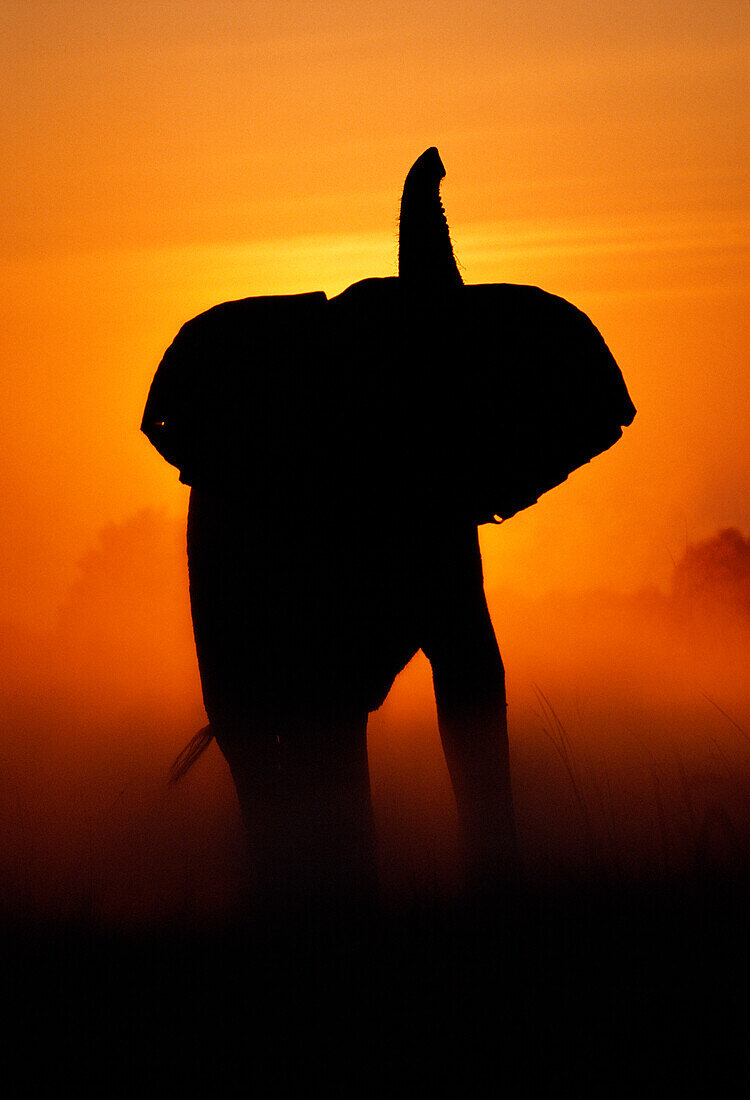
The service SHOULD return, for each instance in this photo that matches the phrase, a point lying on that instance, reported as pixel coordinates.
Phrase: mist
(628, 714)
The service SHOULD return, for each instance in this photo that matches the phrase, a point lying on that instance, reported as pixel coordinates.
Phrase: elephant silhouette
(342, 454)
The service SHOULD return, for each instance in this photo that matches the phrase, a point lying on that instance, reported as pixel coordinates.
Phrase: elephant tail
(425, 254)
(195, 747)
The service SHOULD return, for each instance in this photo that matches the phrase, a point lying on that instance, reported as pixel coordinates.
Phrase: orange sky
(162, 157)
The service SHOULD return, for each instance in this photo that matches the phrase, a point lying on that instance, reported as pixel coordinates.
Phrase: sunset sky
(163, 156)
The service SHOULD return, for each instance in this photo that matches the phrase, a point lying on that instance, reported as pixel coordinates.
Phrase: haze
(163, 157)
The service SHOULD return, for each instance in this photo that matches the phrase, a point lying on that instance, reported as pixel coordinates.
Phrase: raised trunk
(425, 255)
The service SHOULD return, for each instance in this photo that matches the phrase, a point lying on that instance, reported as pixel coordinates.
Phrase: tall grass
(107, 840)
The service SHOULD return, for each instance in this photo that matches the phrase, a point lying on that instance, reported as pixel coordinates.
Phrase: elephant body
(341, 454)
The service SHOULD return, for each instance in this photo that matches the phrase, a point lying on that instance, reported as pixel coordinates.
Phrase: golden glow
(162, 157)
(165, 157)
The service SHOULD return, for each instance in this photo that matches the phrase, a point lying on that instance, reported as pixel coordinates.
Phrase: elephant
(341, 455)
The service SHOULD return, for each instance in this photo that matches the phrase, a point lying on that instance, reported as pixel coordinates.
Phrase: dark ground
(593, 988)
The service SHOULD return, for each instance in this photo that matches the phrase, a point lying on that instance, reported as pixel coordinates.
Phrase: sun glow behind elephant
(160, 158)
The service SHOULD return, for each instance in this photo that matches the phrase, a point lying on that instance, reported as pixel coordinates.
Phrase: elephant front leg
(469, 679)
(469, 682)
(304, 795)
(472, 718)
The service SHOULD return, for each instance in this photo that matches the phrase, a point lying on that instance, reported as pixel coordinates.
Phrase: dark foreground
(599, 988)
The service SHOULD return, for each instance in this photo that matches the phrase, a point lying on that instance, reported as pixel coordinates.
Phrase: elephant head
(414, 393)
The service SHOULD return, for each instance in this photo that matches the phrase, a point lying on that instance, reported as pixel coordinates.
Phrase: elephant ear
(543, 395)
(234, 398)
(426, 263)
